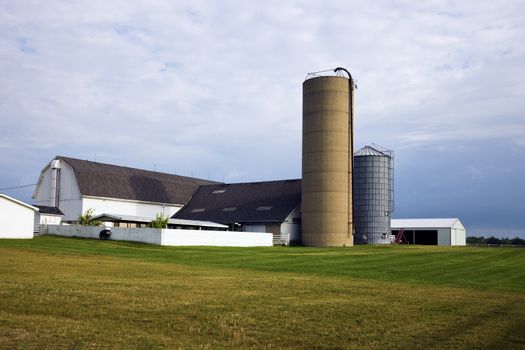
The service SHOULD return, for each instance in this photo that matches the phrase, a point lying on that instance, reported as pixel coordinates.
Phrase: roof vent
(218, 191)
(198, 210)
(263, 208)
(230, 209)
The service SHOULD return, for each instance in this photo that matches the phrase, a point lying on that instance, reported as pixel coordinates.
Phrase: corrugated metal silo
(327, 161)
(373, 175)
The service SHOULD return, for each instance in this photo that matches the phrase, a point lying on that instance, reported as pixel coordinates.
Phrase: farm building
(47, 216)
(16, 218)
(75, 185)
(431, 231)
(270, 206)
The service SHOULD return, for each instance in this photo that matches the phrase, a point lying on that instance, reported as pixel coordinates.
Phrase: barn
(445, 232)
(16, 218)
(75, 185)
(269, 206)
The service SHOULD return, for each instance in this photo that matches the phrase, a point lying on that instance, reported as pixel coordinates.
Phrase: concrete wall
(145, 235)
(216, 238)
(16, 220)
(169, 237)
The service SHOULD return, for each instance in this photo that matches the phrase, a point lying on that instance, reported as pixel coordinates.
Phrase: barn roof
(255, 202)
(44, 209)
(113, 181)
(423, 223)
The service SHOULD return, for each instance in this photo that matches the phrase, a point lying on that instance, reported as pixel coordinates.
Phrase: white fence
(169, 237)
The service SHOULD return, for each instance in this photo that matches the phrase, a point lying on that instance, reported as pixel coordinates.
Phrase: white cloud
(216, 87)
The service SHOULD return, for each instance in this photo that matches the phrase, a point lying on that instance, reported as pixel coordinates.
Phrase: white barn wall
(69, 193)
(16, 219)
(127, 207)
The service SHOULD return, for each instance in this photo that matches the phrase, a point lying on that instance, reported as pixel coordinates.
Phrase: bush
(87, 218)
(160, 221)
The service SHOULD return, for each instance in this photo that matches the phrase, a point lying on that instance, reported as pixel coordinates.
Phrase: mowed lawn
(87, 294)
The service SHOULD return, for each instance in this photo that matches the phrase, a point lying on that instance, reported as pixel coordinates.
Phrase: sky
(213, 89)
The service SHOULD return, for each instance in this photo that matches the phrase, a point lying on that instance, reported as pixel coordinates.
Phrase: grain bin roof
(113, 181)
(256, 202)
(370, 151)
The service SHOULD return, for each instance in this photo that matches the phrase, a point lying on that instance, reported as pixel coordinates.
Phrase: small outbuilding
(47, 215)
(16, 218)
(447, 231)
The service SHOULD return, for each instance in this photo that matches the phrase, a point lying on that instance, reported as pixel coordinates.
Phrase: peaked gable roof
(113, 181)
(420, 223)
(255, 202)
(19, 202)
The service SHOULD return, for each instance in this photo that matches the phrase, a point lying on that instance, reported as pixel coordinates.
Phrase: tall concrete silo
(373, 177)
(327, 160)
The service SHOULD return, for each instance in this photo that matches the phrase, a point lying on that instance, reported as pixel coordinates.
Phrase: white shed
(16, 218)
(447, 231)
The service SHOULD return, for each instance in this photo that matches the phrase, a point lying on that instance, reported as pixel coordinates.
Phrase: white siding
(16, 219)
(127, 207)
(443, 236)
(459, 233)
(291, 229)
(70, 199)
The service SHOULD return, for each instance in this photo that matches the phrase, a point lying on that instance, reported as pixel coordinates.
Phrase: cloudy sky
(212, 89)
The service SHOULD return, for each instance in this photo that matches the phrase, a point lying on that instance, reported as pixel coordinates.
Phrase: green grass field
(89, 294)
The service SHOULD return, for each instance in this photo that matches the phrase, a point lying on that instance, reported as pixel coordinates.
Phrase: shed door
(426, 237)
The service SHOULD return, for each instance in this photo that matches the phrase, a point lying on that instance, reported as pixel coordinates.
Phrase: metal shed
(441, 231)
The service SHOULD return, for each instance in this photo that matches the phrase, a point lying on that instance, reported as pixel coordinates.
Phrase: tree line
(494, 240)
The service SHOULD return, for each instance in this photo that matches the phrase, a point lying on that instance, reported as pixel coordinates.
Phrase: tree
(493, 240)
(160, 221)
(86, 219)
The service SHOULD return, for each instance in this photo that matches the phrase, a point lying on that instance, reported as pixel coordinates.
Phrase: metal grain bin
(373, 174)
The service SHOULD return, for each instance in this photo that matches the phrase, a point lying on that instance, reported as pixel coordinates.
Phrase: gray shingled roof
(256, 202)
(113, 181)
(44, 209)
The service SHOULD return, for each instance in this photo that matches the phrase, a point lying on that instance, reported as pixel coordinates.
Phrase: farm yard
(79, 293)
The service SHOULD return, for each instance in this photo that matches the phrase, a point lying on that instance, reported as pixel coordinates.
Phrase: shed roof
(142, 219)
(421, 223)
(255, 202)
(16, 201)
(44, 209)
(113, 181)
